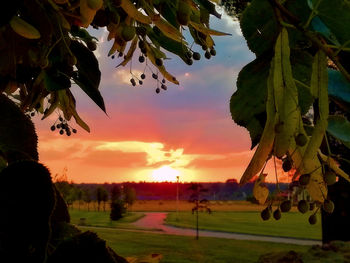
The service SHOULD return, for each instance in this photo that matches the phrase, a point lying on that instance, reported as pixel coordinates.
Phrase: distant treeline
(230, 190)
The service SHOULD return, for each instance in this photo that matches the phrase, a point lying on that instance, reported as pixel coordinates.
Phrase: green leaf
(339, 89)
(167, 10)
(336, 16)
(18, 139)
(89, 74)
(248, 103)
(320, 27)
(50, 83)
(209, 6)
(259, 26)
(301, 67)
(339, 127)
(169, 44)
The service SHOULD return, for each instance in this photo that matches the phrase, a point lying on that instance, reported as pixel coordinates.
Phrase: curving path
(155, 220)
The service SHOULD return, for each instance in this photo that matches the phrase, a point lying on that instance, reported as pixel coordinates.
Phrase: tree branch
(315, 38)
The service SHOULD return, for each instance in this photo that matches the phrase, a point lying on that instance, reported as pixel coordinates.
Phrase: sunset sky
(186, 131)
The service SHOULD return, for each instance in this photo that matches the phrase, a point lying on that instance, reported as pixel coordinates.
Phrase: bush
(117, 210)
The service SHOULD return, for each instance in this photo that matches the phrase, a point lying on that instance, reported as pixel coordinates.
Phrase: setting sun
(165, 173)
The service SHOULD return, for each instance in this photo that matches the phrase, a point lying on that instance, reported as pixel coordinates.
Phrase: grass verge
(101, 219)
(291, 224)
(187, 249)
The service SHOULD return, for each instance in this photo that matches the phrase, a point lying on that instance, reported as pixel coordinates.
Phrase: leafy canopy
(284, 96)
(45, 46)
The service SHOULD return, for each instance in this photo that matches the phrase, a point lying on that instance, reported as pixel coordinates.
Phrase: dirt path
(155, 220)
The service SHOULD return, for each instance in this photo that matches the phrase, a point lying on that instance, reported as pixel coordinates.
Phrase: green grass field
(292, 224)
(187, 249)
(101, 219)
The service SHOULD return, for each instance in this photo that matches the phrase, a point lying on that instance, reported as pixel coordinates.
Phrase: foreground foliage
(301, 72)
(45, 47)
(335, 251)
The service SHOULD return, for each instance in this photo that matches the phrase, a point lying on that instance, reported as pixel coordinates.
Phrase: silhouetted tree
(116, 193)
(117, 209)
(101, 196)
(87, 198)
(129, 196)
(200, 204)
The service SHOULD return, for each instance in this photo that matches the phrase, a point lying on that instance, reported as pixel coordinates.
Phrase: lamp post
(177, 198)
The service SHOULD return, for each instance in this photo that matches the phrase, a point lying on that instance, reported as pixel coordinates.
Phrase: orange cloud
(115, 159)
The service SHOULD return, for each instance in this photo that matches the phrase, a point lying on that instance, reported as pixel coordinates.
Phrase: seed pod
(189, 61)
(207, 54)
(330, 177)
(159, 62)
(277, 214)
(196, 56)
(286, 206)
(287, 164)
(141, 59)
(303, 206)
(188, 54)
(91, 45)
(312, 219)
(328, 206)
(128, 33)
(265, 214)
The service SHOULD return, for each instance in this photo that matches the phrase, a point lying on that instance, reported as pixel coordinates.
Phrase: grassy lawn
(101, 219)
(291, 224)
(187, 249)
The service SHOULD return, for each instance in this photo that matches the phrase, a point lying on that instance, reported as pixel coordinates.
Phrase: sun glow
(165, 174)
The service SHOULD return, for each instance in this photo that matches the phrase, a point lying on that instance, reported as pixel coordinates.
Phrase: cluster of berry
(63, 127)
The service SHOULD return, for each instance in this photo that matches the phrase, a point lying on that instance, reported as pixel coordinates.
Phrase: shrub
(117, 210)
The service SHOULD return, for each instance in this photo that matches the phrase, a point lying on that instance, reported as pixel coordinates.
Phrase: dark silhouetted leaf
(339, 89)
(89, 74)
(339, 127)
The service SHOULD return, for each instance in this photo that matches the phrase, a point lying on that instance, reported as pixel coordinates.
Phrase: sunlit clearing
(165, 173)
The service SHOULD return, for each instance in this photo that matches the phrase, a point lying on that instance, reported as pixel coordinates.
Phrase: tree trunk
(334, 225)
(197, 224)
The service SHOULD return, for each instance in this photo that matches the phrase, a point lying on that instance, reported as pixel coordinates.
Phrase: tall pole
(177, 198)
(197, 226)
